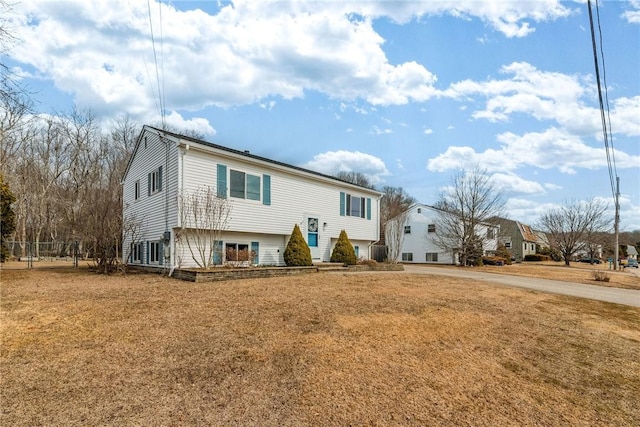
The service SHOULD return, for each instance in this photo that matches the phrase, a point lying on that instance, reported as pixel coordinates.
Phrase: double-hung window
(407, 229)
(431, 228)
(155, 252)
(432, 257)
(154, 181)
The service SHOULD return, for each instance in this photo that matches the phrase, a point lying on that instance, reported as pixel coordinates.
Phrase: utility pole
(616, 224)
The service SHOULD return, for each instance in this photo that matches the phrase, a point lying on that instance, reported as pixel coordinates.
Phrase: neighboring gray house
(519, 239)
(266, 198)
(632, 253)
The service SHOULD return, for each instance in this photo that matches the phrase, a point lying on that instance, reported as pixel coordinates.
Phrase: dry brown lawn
(576, 272)
(324, 349)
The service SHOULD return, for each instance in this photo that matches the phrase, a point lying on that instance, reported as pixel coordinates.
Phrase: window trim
(431, 228)
(407, 229)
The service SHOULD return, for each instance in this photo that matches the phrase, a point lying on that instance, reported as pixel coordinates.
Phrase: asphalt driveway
(601, 293)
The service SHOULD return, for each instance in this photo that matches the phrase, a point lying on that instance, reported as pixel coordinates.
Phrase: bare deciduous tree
(394, 235)
(570, 226)
(394, 202)
(203, 218)
(357, 178)
(463, 210)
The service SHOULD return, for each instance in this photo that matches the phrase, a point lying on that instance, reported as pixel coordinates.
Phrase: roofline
(248, 155)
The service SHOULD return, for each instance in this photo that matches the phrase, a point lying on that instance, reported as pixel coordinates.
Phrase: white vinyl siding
(275, 199)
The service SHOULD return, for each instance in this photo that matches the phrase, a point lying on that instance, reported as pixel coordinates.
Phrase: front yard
(321, 349)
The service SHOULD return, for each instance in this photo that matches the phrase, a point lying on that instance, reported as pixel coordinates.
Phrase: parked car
(590, 260)
(632, 263)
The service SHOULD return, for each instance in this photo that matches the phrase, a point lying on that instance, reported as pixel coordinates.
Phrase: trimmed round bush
(343, 251)
(297, 252)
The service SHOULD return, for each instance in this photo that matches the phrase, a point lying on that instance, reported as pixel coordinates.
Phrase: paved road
(601, 293)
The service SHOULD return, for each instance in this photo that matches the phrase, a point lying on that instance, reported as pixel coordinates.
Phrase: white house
(417, 240)
(266, 199)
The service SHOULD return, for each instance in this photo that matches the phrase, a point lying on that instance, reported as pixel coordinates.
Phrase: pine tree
(343, 251)
(7, 217)
(297, 252)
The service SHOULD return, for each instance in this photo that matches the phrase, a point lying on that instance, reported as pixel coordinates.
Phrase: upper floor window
(407, 229)
(243, 185)
(355, 206)
(491, 233)
(431, 228)
(154, 183)
(507, 245)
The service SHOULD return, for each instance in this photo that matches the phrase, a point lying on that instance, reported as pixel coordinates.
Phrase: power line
(606, 127)
(160, 102)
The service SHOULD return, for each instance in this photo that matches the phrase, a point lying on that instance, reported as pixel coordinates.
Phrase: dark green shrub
(343, 251)
(537, 257)
(297, 252)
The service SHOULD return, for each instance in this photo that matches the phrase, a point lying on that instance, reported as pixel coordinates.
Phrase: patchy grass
(577, 272)
(335, 350)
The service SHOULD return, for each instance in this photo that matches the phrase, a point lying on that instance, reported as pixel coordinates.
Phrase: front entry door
(313, 237)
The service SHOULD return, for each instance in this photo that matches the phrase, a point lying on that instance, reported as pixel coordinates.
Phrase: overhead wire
(606, 126)
(160, 101)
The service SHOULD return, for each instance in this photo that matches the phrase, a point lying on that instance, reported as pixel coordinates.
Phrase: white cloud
(332, 162)
(101, 52)
(551, 149)
(514, 184)
(428, 131)
(197, 124)
(633, 14)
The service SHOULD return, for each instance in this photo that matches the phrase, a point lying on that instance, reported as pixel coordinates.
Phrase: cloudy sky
(406, 92)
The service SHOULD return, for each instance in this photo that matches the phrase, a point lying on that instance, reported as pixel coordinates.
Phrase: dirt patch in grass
(335, 350)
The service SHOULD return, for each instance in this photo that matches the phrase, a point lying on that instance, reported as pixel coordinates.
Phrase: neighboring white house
(267, 199)
(418, 246)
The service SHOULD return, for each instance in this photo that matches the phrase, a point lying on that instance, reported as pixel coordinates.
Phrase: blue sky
(404, 92)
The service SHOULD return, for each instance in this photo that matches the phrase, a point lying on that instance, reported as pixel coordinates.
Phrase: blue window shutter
(342, 203)
(160, 178)
(255, 247)
(368, 208)
(147, 251)
(266, 189)
(222, 181)
(149, 185)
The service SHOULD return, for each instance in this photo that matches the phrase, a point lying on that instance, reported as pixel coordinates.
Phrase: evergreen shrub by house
(297, 252)
(343, 251)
